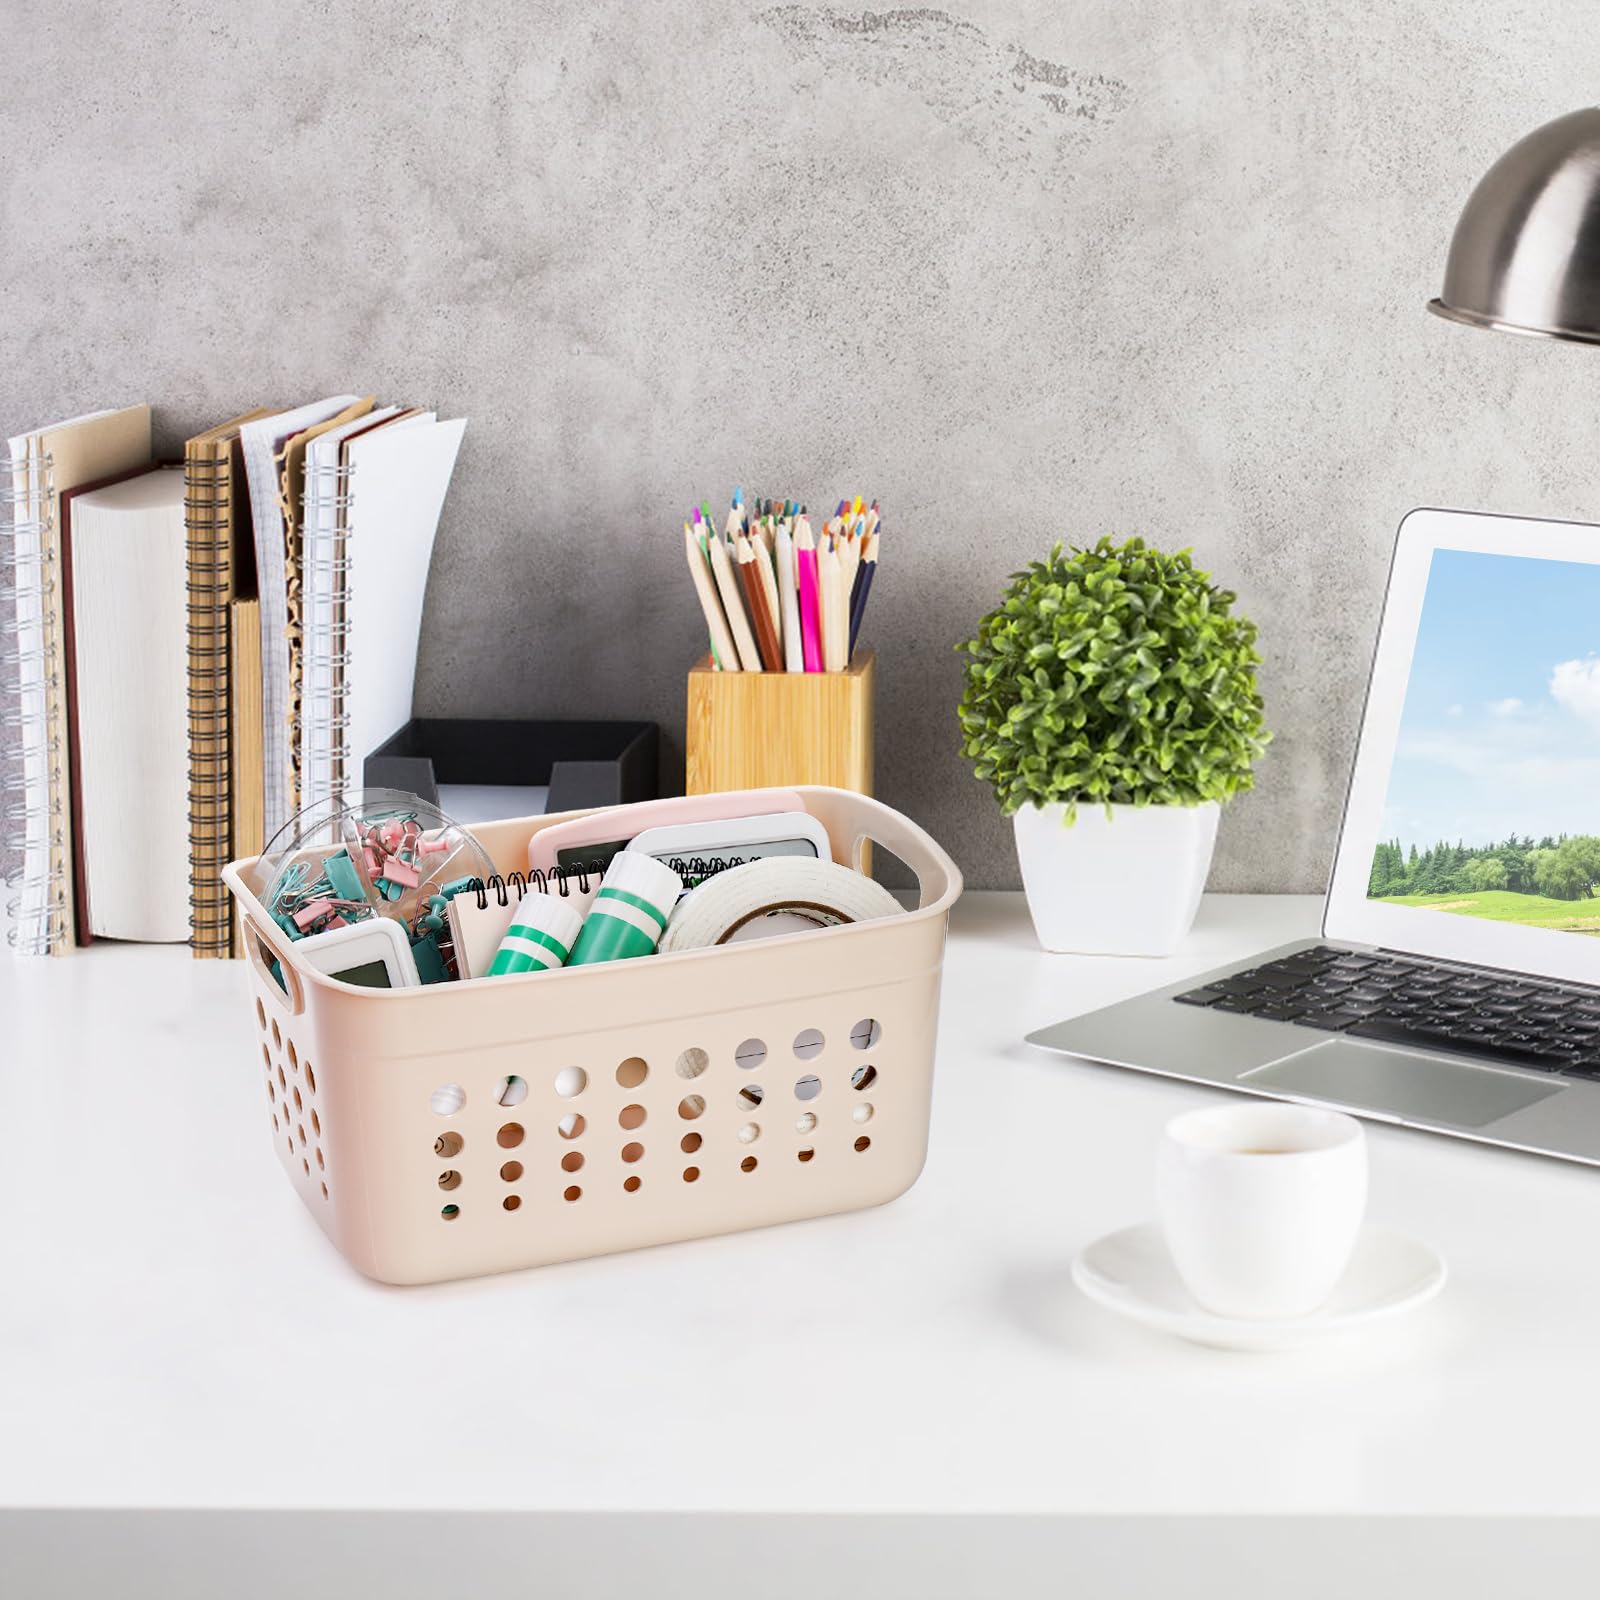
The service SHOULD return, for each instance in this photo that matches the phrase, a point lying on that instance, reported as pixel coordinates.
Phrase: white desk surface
(175, 1331)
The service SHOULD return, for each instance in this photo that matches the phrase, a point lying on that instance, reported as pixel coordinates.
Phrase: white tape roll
(782, 894)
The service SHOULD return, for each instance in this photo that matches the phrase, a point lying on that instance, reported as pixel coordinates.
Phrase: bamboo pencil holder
(765, 730)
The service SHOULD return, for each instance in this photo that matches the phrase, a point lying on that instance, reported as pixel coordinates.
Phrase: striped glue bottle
(541, 935)
(630, 912)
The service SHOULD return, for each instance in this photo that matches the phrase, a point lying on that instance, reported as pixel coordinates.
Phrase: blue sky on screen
(1500, 732)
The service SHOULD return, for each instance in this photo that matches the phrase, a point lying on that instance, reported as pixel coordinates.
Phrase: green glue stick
(630, 912)
(541, 935)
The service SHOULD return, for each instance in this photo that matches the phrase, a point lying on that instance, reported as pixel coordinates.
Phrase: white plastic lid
(551, 914)
(653, 881)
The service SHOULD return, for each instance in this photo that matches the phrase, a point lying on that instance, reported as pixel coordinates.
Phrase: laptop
(1456, 984)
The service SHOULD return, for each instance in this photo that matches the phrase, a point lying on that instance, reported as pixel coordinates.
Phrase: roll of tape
(780, 895)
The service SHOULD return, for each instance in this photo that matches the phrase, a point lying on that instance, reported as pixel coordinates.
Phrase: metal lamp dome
(1525, 257)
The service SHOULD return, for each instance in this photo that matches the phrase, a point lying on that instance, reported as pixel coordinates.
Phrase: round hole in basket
(691, 1174)
(571, 1082)
(294, 1059)
(751, 1095)
(750, 1054)
(322, 1166)
(749, 1133)
(805, 1122)
(511, 1091)
(808, 1087)
(324, 1191)
(808, 1044)
(311, 1078)
(272, 1092)
(805, 1153)
(261, 1015)
(450, 1179)
(447, 1099)
(866, 1033)
(299, 1104)
(571, 1125)
(288, 1139)
(274, 1121)
(283, 1082)
(689, 1143)
(863, 1142)
(306, 1164)
(316, 1123)
(631, 1183)
(632, 1072)
(300, 1132)
(692, 1062)
(691, 1107)
(512, 1201)
(863, 1112)
(748, 1164)
(572, 1192)
(277, 1038)
(572, 1161)
(510, 1135)
(511, 1171)
(450, 1213)
(631, 1117)
(863, 1078)
(447, 1144)
(632, 1150)
(266, 1055)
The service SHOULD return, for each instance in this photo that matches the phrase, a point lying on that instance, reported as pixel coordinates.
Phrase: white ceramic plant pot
(1127, 884)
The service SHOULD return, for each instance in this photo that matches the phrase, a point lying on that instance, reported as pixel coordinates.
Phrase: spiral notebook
(478, 917)
(220, 574)
(36, 823)
(371, 515)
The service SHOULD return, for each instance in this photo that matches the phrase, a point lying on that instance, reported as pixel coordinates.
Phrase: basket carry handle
(260, 951)
(857, 820)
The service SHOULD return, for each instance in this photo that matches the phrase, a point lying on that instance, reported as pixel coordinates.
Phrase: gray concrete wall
(1022, 270)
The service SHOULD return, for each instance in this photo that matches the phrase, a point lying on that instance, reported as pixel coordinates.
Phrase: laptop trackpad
(1369, 1077)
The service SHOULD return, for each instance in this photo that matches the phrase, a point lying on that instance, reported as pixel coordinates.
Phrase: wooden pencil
(733, 603)
(751, 560)
(722, 646)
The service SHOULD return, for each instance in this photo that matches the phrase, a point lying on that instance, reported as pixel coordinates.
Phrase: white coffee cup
(1262, 1205)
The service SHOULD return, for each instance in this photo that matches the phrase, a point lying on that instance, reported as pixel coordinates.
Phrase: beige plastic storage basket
(662, 1099)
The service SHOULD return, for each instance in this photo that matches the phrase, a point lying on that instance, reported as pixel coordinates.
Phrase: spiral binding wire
(207, 501)
(588, 874)
(32, 832)
(517, 884)
(324, 716)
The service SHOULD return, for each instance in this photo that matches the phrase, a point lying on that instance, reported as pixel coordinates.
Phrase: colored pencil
(810, 620)
(832, 595)
(733, 604)
(789, 600)
(858, 606)
(751, 561)
(723, 650)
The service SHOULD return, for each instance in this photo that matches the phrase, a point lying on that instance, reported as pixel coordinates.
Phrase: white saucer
(1130, 1272)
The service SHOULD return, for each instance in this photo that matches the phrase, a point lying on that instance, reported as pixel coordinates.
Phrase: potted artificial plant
(1111, 704)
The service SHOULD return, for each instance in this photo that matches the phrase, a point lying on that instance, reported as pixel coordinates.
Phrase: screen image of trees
(1548, 882)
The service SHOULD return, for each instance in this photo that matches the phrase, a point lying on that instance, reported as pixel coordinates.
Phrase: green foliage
(1118, 675)
(1560, 869)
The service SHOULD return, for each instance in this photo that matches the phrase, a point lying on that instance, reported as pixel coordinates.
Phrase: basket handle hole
(874, 859)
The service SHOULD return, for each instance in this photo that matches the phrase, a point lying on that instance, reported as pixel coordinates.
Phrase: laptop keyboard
(1407, 1001)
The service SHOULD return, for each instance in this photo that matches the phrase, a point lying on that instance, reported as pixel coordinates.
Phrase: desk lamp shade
(1526, 253)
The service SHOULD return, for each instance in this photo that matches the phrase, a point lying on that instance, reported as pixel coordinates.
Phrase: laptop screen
(1476, 806)
(1494, 794)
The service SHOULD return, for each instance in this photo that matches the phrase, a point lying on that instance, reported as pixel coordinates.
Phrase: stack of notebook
(192, 654)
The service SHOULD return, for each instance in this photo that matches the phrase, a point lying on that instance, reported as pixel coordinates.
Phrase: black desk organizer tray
(583, 764)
